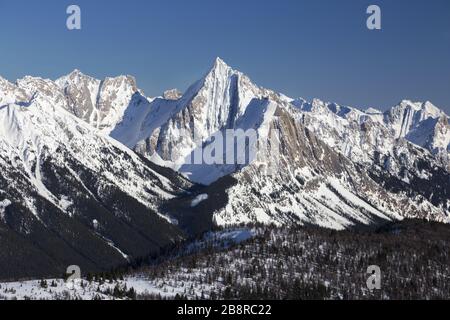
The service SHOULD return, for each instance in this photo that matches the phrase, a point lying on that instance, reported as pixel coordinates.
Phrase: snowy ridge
(30, 133)
(361, 135)
(337, 166)
(100, 103)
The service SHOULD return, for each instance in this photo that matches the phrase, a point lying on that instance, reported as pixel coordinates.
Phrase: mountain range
(95, 173)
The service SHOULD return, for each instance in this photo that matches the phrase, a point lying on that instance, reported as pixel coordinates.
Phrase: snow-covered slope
(71, 196)
(316, 185)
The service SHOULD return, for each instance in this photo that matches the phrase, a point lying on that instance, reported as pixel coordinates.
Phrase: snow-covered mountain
(167, 130)
(10, 92)
(65, 148)
(69, 195)
(101, 103)
(316, 184)
(378, 168)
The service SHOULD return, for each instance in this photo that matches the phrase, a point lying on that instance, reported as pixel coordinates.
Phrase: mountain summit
(101, 103)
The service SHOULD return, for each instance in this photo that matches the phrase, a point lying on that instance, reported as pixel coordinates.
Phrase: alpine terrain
(96, 174)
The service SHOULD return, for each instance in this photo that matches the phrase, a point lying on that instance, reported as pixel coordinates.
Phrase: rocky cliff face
(100, 103)
(314, 184)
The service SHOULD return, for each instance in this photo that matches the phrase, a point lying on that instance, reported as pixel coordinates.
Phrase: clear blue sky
(312, 48)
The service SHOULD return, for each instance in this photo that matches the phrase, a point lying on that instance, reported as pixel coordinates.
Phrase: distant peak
(317, 102)
(432, 109)
(427, 108)
(173, 94)
(406, 102)
(6, 83)
(415, 105)
(427, 105)
(372, 110)
(76, 71)
(430, 105)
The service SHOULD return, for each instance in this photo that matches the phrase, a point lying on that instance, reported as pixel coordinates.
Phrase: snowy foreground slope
(126, 286)
(275, 263)
(72, 191)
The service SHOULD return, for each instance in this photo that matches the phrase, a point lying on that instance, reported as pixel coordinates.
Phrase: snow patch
(3, 205)
(198, 199)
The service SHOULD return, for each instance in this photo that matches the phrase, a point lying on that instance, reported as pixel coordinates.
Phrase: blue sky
(312, 48)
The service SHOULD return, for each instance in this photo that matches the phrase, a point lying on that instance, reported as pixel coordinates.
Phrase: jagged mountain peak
(76, 73)
(372, 110)
(76, 78)
(220, 69)
(428, 108)
(101, 103)
(11, 93)
(408, 115)
(29, 78)
(172, 94)
(410, 103)
(220, 63)
(122, 80)
(219, 73)
(3, 81)
(6, 85)
(28, 82)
